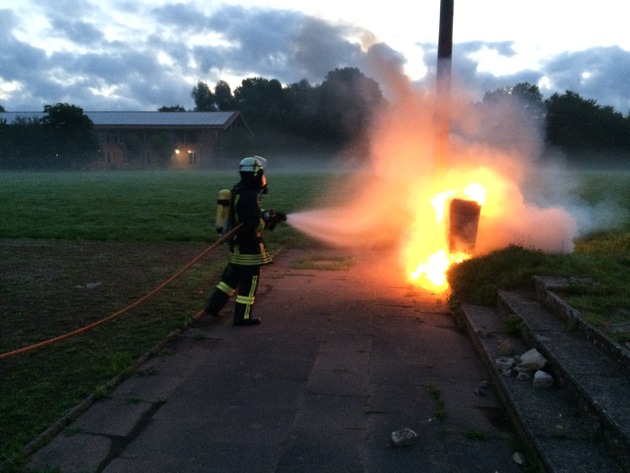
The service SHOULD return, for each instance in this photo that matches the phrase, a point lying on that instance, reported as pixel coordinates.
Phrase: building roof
(144, 119)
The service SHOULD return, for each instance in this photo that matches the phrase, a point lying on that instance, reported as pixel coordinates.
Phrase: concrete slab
(341, 360)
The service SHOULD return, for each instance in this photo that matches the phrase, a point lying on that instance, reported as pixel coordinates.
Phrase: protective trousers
(239, 280)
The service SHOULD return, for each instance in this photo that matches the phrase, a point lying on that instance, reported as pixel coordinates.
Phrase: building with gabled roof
(136, 140)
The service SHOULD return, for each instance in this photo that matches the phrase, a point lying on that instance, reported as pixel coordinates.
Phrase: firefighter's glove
(272, 217)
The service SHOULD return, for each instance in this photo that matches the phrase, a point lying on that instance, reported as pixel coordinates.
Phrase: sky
(145, 54)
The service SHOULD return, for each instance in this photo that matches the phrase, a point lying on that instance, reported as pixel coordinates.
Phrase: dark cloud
(159, 66)
(182, 16)
(20, 61)
(77, 31)
(284, 45)
(599, 74)
(318, 47)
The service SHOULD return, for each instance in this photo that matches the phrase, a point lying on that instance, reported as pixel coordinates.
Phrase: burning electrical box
(463, 224)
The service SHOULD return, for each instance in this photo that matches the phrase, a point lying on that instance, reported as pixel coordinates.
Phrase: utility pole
(442, 107)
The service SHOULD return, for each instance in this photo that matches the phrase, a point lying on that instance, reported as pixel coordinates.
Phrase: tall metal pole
(445, 40)
(445, 53)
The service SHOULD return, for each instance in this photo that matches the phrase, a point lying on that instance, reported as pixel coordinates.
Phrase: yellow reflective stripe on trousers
(230, 291)
(248, 300)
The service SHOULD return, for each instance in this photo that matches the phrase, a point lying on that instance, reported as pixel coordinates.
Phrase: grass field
(76, 247)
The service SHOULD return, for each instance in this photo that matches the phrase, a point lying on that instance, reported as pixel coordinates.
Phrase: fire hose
(131, 306)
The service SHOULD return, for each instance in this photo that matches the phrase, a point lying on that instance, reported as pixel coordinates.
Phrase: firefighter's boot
(242, 315)
(216, 303)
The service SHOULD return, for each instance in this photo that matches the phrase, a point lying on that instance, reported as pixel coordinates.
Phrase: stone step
(597, 381)
(547, 292)
(564, 436)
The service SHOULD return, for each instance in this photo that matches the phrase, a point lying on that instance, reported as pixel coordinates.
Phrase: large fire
(430, 271)
(401, 194)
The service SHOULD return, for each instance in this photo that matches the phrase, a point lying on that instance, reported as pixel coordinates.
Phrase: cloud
(77, 31)
(180, 16)
(599, 74)
(319, 47)
(126, 55)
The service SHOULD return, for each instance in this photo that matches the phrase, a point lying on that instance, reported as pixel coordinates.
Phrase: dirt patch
(50, 287)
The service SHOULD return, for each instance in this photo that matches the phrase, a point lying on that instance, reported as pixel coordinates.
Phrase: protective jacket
(247, 246)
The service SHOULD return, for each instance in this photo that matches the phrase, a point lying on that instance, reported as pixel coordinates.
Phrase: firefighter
(247, 248)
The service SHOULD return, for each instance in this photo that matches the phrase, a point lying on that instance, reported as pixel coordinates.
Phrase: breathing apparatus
(222, 221)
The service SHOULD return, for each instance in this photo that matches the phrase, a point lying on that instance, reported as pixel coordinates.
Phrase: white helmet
(252, 164)
(252, 172)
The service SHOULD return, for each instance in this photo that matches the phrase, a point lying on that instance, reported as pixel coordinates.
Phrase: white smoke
(530, 201)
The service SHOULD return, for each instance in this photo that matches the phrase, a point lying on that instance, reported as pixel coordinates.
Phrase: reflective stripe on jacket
(247, 246)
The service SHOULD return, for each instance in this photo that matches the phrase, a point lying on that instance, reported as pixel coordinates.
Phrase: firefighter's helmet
(252, 172)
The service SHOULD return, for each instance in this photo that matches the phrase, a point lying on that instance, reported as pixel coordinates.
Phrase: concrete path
(341, 360)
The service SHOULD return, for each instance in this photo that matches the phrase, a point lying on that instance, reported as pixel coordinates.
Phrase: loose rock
(518, 458)
(404, 437)
(533, 360)
(542, 379)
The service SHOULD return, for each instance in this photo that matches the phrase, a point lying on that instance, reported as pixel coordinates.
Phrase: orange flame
(428, 254)
(399, 199)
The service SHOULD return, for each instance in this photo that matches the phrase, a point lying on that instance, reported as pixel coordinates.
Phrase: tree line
(65, 138)
(337, 112)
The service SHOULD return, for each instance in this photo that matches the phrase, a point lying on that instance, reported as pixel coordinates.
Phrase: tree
(577, 124)
(174, 108)
(2, 109)
(205, 101)
(224, 99)
(511, 117)
(22, 143)
(301, 107)
(261, 101)
(70, 134)
(527, 98)
(346, 101)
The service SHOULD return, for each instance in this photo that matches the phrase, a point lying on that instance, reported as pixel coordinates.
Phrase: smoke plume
(387, 202)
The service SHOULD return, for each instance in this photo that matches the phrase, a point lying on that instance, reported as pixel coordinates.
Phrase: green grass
(176, 210)
(170, 213)
(133, 206)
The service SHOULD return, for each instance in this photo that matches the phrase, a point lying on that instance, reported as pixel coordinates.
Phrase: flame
(438, 202)
(398, 199)
(428, 252)
(476, 192)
